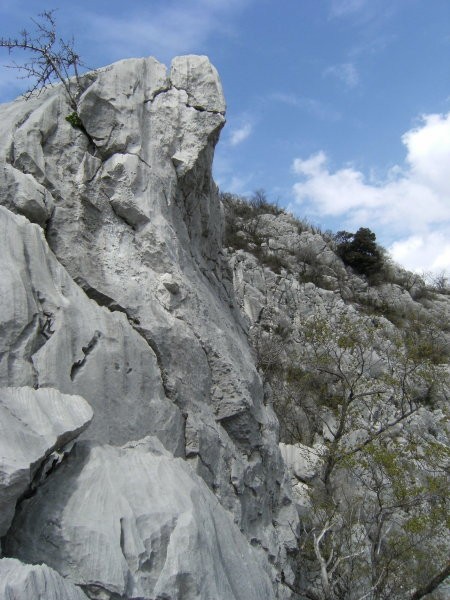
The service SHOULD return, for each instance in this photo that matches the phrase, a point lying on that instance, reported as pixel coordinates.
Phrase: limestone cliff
(114, 287)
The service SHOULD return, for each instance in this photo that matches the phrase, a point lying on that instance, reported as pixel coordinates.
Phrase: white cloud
(423, 253)
(166, 30)
(342, 8)
(312, 166)
(240, 134)
(314, 107)
(428, 147)
(345, 72)
(410, 207)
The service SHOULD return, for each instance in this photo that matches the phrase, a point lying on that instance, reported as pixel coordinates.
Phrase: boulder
(53, 335)
(303, 462)
(133, 522)
(33, 423)
(29, 582)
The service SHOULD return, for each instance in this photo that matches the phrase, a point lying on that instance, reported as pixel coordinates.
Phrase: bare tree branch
(51, 59)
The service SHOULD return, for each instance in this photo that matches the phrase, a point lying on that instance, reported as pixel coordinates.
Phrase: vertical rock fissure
(87, 350)
(113, 306)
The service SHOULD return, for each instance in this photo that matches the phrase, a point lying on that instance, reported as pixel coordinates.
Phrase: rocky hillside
(160, 339)
(120, 329)
(355, 355)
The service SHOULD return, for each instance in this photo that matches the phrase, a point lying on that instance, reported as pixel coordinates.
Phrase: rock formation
(29, 582)
(33, 424)
(357, 368)
(168, 537)
(114, 287)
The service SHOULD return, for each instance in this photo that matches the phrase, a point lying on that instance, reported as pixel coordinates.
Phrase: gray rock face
(29, 582)
(120, 292)
(302, 461)
(133, 522)
(198, 77)
(54, 336)
(33, 423)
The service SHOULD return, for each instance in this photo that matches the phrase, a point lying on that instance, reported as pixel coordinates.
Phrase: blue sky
(339, 109)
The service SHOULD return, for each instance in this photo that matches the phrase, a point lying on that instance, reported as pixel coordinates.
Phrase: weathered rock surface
(134, 522)
(302, 461)
(304, 465)
(54, 336)
(341, 354)
(33, 423)
(119, 289)
(32, 582)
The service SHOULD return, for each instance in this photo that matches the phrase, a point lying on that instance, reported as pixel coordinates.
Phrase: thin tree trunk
(433, 584)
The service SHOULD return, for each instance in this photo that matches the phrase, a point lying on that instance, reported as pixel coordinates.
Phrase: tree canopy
(360, 251)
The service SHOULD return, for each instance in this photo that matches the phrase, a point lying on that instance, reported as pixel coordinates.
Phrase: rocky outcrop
(33, 424)
(134, 522)
(282, 264)
(357, 369)
(29, 582)
(114, 286)
(55, 336)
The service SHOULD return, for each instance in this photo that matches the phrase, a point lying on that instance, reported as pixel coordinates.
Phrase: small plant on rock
(75, 120)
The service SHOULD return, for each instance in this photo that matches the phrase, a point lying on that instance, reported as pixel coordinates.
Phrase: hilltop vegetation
(354, 351)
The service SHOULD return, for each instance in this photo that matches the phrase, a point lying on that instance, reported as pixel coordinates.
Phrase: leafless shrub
(51, 59)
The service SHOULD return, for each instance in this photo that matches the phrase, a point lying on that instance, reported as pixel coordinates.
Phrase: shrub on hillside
(360, 251)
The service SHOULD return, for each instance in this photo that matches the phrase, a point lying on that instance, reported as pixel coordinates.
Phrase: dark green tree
(360, 251)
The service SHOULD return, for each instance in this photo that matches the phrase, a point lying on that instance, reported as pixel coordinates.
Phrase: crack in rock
(103, 299)
(156, 93)
(47, 467)
(113, 306)
(87, 350)
(168, 390)
(196, 107)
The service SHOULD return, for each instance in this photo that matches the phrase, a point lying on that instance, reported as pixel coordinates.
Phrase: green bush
(75, 120)
(360, 251)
